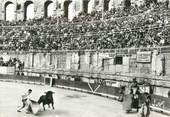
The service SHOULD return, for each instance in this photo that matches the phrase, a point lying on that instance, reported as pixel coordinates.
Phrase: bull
(47, 99)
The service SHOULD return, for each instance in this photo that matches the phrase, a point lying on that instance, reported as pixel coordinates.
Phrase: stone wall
(75, 6)
(153, 64)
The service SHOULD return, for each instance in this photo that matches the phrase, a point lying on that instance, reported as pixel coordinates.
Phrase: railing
(126, 51)
(101, 75)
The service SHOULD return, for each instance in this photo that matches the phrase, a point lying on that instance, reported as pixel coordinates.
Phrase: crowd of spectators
(12, 62)
(136, 26)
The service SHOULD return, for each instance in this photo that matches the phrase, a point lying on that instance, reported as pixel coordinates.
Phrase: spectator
(169, 94)
(139, 26)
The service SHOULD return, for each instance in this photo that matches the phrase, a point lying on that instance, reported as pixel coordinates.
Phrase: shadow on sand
(54, 113)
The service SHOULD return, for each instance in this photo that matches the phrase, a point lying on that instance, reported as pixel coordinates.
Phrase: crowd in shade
(134, 26)
(12, 62)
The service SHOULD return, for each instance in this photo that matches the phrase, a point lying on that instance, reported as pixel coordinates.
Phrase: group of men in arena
(131, 98)
(144, 111)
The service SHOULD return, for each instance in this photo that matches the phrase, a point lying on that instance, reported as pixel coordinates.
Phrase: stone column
(38, 9)
(81, 6)
(118, 3)
(1, 13)
(20, 12)
(78, 6)
(153, 64)
(71, 10)
(101, 4)
(91, 6)
(20, 15)
(55, 5)
(62, 6)
(111, 4)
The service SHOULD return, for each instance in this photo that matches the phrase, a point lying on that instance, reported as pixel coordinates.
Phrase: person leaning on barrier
(24, 100)
(136, 99)
(121, 93)
(169, 94)
(134, 83)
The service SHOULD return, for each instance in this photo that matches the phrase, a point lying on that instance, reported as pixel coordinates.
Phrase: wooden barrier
(7, 70)
(82, 90)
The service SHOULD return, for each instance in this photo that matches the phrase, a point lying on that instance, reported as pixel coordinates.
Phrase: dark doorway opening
(66, 5)
(85, 5)
(106, 5)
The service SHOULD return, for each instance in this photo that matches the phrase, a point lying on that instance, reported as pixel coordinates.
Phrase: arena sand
(67, 103)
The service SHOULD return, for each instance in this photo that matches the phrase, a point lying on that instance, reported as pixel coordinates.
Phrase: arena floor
(67, 103)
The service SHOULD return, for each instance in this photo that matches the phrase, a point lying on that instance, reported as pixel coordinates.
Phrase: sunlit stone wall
(60, 7)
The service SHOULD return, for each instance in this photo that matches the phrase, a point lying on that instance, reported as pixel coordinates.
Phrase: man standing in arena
(24, 99)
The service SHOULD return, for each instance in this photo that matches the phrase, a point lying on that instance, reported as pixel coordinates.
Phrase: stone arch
(66, 7)
(6, 4)
(46, 6)
(26, 4)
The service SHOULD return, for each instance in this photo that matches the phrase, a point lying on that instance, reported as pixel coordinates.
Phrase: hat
(30, 90)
